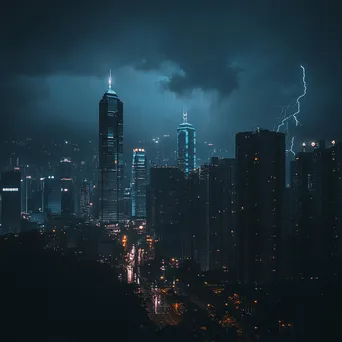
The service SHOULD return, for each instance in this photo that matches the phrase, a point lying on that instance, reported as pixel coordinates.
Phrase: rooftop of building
(186, 125)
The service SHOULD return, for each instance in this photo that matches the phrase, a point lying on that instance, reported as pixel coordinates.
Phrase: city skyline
(171, 171)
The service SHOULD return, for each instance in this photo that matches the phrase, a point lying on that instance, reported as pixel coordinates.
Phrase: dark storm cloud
(184, 84)
(208, 42)
(75, 37)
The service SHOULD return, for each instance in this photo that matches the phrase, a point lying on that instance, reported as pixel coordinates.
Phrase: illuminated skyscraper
(111, 165)
(67, 188)
(186, 146)
(139, 183)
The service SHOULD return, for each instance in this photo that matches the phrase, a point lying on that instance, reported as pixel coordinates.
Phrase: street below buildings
(167, 308)
(159, 309)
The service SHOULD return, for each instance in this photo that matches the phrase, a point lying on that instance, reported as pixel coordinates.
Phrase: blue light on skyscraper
(139, 183)
(186, 146)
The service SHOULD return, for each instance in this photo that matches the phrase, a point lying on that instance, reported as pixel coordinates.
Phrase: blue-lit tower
(186, 146)
(139, 184)
(111, 165)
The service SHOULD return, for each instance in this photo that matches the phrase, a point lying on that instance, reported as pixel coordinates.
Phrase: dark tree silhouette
(47, 296)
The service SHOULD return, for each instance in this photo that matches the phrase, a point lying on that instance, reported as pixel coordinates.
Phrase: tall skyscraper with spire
(186, 145)
(111, 164)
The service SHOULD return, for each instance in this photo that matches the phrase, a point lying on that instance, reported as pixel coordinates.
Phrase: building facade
(260, 174)
(196, 211)
(222, 215)
(316, 210)
(139, 183)
(111, 163)
(166, 210)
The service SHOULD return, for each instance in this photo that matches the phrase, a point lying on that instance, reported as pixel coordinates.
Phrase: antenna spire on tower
(185, 116)
(110, 79)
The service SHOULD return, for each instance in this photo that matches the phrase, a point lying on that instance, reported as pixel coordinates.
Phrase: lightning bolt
(294, 115)
(287, 138)
(291, 147)
(284, 117)
(287, 132)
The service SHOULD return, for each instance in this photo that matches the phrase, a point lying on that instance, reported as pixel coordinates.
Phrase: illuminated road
(159, 311)
(162, 313)
(201, 304)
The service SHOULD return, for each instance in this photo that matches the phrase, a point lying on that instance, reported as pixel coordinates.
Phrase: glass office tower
(139, 183)
(111, 165)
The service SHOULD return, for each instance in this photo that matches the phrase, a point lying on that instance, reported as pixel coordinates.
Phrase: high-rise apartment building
(186, 146)
(168, 150)
(139, 183)
(155, 151)
(67, 188)
(316, 210)
(297, 234)
(260, 174)
(111, 163)
(222, 215)
(165, 219)
(127, 204)
(51, 194)
(30, 194)
(196, 210)
(11, 201)
(85, 207)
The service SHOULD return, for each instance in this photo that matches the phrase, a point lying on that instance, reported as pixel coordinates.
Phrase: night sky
(232, 64)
